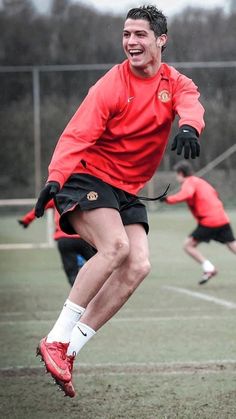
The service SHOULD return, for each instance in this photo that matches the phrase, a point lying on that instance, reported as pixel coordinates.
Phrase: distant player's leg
(232, 246)
(116, 290)
(68, 257)
(112, 246)
(209, 270)
(69, 249)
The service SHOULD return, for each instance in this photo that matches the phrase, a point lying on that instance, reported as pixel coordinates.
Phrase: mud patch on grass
(129, 369)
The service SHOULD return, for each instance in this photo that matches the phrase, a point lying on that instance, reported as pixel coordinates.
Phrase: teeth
(134, 51)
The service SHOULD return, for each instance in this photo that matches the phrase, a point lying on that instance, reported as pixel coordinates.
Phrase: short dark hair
(184, 167)
(157, 20)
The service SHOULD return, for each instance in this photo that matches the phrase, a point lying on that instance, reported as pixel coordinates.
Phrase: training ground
(169, 353)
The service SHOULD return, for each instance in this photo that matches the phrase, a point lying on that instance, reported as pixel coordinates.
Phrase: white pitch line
(24, 246)
(135, 364)
(202, 296)
(153, 373)
(122, 319)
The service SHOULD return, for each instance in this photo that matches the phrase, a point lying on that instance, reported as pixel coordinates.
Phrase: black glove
(187, 138)
(46, 194)
(163, 199)
(23, 224)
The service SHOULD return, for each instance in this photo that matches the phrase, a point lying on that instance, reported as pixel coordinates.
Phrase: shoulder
(111, 88)
(198, 181)
(192, 181)
(170, 72)
(176, 78)
(116, 75)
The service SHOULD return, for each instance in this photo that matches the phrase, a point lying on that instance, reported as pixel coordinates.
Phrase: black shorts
(87, 192)
(222, 234)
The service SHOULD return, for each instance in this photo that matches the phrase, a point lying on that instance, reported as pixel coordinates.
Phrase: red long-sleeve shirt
(121, 128)
(58, 233)
(202, 200)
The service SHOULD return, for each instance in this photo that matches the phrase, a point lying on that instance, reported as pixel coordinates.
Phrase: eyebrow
(137, 31)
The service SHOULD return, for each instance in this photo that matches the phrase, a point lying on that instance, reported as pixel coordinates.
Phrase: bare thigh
(99, 227)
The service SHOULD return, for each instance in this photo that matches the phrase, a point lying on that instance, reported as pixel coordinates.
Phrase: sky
(121, 6)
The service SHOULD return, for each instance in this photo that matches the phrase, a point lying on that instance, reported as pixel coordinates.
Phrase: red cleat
(206, 276)
(56, 361)
(68, 388)
(70, 362)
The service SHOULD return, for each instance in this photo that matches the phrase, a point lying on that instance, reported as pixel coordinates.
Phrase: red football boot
(68, 387)
(56, 361)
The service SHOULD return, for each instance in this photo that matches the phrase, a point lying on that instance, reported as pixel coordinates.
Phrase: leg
(112, 246)
(69, 249)
(122, 282)
(209, 270)
(190, 245)
(68, 257)
(104, 229)
(84, 249)
(232, 246)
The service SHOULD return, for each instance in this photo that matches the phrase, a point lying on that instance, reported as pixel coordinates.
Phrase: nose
(132, 39)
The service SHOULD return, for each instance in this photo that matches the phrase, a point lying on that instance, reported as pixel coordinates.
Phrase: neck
(146, 72)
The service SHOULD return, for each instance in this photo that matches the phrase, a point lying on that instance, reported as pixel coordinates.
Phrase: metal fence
(48, 83)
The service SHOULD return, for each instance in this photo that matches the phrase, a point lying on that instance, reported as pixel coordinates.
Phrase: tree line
(72, 33)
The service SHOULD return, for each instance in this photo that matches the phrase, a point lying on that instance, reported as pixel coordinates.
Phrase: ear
(161, 40)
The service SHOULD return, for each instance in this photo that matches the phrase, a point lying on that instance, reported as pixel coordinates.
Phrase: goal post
(12, 207)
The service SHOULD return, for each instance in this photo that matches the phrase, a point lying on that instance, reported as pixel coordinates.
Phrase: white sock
(65, 323)
(81, 334)
(207, 266)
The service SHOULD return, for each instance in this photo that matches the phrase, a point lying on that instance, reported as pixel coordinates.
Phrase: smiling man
(111, 147)
(143, 42)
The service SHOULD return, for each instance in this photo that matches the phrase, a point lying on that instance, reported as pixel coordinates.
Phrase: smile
(134, 52)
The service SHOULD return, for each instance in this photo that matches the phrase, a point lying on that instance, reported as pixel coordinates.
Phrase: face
(180, 177)
(142, 48)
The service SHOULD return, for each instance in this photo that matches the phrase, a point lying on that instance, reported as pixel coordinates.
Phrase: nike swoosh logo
(85, 334)
(60, 370)
(130, 98)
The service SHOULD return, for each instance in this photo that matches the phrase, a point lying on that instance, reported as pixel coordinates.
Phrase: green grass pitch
(165, 355)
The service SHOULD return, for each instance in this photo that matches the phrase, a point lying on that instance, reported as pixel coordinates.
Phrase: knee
(138, 270)
(144, 268)
(117, 252)
(187, 244)
(135, 275)
(232, 246)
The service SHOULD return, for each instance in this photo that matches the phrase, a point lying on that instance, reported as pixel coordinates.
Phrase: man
(111, 147)
(205, 205)
(74, 251)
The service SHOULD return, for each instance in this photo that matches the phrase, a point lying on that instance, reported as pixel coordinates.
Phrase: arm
(186, 103)
(186, 192)
(190, 111)
(27, 219)
(83, 130)
(30, 216)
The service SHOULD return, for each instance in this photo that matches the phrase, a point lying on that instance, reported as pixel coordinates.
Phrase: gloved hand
(23, 223)
(163, 199)
(46, 194)
(187, 139)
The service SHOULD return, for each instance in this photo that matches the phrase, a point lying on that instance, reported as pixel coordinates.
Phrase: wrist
(189, 128)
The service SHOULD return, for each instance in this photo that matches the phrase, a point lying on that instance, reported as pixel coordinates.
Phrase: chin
(138, 64)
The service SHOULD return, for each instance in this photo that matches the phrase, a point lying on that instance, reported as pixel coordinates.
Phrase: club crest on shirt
(92, 196)
(164, 96)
